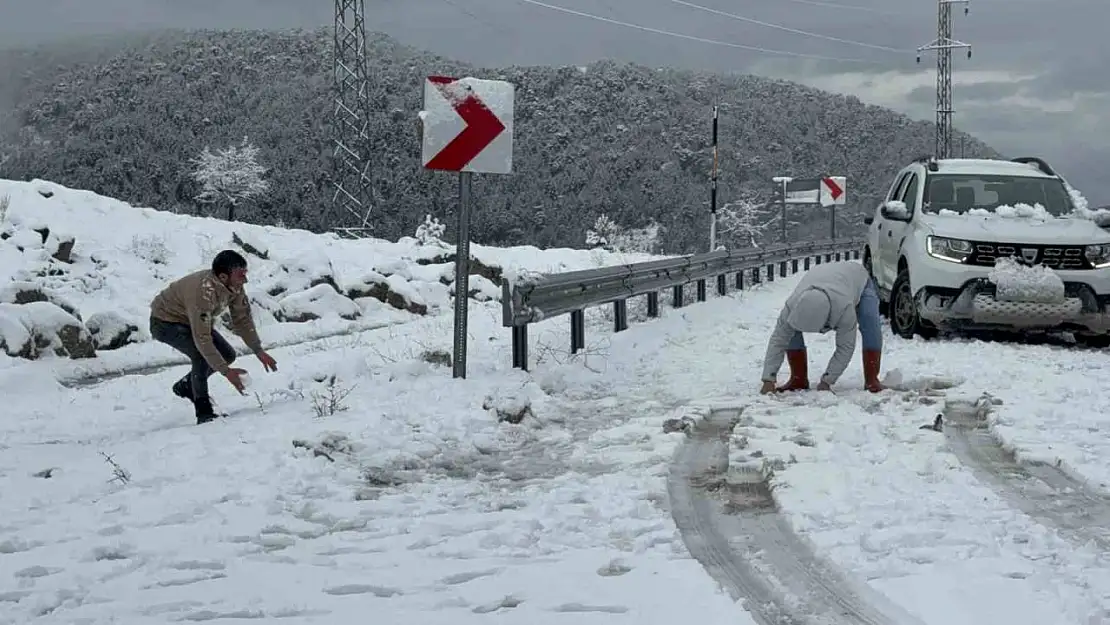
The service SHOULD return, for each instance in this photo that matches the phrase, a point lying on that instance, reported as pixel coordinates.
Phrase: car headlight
(1098, 255)
(951, 250)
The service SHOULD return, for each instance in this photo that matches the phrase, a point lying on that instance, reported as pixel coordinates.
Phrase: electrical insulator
(919, 58)
(969, 53)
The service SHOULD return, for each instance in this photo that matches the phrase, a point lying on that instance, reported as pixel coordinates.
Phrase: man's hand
(235, 377)
(268, 363)
(768, 387)
(824, 386)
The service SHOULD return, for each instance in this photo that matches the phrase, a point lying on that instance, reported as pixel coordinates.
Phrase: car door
(898, 229)
(884, 273)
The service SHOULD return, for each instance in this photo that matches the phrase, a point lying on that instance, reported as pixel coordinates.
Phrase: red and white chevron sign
(833, 190)
(468, 125)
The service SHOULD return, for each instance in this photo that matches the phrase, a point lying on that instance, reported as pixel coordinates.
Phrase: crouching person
(183, 315)
(835, 296)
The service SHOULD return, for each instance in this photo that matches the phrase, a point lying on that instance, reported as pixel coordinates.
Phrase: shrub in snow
(609, 235)
(477, 267)
(5, 203)
(430, 232)
(1015, 282)
(28, 292)
(480, 289)
(110, 330)
(251, 245)
(393, 290)
(29, 330)
(60, 246)
(310, 268)
(318, 302)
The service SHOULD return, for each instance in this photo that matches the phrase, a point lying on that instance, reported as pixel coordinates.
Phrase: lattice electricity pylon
(944, 44)
(351, 116)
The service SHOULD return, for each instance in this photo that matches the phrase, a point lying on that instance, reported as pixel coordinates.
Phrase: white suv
(933, 243)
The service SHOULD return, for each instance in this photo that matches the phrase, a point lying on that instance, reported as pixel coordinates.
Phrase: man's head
(810, 313)
(231, 269)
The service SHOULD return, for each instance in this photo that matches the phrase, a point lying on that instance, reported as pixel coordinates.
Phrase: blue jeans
(870, 324)
(180, 337)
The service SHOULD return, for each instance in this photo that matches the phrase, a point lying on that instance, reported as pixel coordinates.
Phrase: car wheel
(1094, 341)
(904, 320)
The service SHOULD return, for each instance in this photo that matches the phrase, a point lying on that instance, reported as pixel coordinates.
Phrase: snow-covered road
(414, 503)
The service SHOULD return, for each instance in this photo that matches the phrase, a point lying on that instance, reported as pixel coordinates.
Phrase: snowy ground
(414, 500)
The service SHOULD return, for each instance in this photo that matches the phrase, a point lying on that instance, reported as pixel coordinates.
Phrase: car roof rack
(1039, 162)
(929, 161)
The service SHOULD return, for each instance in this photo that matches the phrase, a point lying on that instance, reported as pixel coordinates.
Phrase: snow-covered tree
(608, 234)
(430, 232)
(742, 222)
(230, 175)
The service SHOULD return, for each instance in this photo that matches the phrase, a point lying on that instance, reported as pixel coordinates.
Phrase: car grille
(1065, 257)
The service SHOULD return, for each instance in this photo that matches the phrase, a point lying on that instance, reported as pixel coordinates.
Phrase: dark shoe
(799, 371)
(204, 410)
(183, 388)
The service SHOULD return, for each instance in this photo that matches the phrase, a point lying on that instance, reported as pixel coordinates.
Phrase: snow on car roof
(988, 166)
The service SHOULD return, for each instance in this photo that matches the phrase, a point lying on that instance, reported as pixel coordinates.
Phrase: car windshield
(961, 193)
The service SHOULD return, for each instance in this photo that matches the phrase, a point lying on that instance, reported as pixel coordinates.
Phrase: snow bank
(1015, 282)
(103, 261)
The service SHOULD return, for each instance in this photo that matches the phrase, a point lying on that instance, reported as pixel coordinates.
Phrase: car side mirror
(895, 209)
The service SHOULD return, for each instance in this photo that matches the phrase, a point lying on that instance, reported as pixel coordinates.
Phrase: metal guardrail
(534, 299)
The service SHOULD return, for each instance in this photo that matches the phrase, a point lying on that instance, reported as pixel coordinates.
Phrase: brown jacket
(196, 300)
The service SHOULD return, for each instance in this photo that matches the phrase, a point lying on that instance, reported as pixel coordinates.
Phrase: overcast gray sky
(1037, 83)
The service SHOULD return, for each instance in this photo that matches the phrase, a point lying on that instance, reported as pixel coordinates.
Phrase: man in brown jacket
(182, 316)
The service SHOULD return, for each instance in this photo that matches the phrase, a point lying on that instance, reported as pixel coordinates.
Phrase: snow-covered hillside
(73, 259)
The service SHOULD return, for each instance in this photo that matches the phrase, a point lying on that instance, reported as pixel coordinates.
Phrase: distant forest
(125, 118)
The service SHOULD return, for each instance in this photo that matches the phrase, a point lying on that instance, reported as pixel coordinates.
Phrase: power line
(787, 29)
(715, 42)
(845, 7)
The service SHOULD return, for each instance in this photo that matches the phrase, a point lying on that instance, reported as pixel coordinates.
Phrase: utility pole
(351, 116)
(943, 45)
(713, 189)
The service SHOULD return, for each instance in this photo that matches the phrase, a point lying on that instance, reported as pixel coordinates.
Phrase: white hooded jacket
(825, 300)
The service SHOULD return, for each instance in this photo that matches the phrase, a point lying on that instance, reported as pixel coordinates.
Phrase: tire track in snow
(1042, 490)
(732, 526)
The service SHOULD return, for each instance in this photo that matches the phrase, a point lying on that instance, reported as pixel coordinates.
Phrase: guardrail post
(520, 347)
(701, 290)
(805, 263)
(817, 259)
(782, 269)
(828, 258)
(653, 304)
(838, 257)
(577, 330)
(620, 315)
(793, 265)
(855, 254)
(756, 278)
(722, 284)
(739, 280)
(770, 273)
(676, 297)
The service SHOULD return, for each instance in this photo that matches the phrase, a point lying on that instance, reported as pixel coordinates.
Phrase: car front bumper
(974, 306)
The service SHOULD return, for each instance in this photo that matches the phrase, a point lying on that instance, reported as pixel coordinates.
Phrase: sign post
(833, 195)
(468, 128)
(785, 182)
